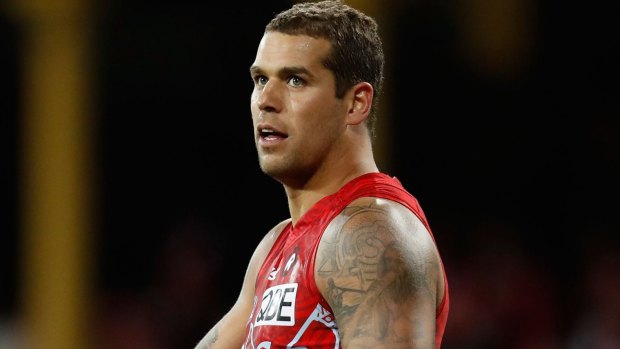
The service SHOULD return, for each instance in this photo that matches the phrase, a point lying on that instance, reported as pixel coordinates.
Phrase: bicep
(378, 272)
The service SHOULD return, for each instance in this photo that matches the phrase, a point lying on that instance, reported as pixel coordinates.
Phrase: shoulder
(383, 220)
(258, 257)
(377, 254)
(273, 234)
(266, 243)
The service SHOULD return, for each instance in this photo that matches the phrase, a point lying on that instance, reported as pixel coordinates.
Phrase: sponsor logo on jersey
(278, 306)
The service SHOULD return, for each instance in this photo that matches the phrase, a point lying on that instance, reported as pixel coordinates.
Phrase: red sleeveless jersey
(289, 311)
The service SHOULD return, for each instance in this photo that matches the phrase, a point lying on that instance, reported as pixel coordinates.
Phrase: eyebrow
(284, 71)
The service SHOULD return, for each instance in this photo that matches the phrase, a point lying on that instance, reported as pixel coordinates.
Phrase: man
(356, 265)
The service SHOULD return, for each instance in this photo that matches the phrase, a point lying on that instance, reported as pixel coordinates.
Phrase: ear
(361, 102)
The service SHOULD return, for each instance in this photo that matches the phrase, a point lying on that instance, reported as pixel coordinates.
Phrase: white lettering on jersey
(323, 316)
(278, 306)
(319, 314)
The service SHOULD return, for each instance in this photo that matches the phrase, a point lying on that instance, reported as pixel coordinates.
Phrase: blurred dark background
(501, 117)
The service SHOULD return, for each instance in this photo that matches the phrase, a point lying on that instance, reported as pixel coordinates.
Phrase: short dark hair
(356, 49)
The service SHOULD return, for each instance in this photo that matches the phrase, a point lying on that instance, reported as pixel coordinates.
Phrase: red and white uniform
(289, 311)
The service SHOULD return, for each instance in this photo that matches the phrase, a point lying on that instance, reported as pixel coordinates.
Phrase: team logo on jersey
(278, 306)
(273, 273)
(291, 261)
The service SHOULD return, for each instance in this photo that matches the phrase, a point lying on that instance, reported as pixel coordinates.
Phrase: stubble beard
(288, 171)
(278, 169)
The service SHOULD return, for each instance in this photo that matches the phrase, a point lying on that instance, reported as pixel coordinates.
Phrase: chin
(273, 170)
(287, 175)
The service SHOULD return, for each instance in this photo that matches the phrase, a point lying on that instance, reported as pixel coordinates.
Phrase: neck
(329, 179)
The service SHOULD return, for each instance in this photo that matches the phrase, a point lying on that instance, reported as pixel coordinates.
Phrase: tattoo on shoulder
(363, 262)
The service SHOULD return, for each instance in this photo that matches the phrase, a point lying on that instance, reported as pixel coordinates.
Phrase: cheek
(254, 102)
(254, 110)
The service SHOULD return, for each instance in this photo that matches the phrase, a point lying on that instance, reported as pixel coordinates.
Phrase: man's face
(296, 116)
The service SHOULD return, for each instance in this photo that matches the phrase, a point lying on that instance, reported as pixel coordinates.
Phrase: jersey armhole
(275, 243)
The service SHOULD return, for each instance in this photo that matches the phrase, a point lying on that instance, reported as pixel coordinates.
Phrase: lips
(269, 134)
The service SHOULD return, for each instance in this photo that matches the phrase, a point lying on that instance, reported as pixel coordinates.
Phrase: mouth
(270, 135)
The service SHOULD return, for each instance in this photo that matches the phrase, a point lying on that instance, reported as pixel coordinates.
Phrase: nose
(268, 98)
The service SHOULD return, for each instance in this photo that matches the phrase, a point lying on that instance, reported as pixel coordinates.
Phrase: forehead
(277, 50)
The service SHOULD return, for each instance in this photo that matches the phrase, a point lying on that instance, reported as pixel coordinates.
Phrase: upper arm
(378, 268)
(230, 330)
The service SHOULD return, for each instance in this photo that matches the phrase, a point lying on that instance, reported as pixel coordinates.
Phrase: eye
(296, 81)
(260, 80)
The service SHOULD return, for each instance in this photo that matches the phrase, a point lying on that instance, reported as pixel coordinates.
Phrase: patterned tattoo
(363, 262)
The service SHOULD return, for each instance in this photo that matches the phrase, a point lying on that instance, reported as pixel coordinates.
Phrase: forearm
(209, 340)
(226, 334)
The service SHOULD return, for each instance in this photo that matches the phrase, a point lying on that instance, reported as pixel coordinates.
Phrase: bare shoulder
(379, 269)
(267, 241)
(258, 257)
(274, 232)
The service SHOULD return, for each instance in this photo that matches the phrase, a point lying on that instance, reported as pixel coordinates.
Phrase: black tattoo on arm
(212, 336)
(209, 339)
(374, 278)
